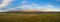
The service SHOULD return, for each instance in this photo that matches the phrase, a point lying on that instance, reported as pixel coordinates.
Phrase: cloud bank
(27, 7)
(33, 6)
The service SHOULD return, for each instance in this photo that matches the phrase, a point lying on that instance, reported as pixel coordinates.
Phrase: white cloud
(27, 7)
(5, 3)
(32, 6)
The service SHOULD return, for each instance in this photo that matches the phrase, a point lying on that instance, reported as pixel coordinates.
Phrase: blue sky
(41, 3)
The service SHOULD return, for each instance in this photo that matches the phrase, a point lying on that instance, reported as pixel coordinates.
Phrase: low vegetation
(14, 17)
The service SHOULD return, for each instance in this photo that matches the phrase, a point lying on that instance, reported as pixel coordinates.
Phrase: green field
(13, 17)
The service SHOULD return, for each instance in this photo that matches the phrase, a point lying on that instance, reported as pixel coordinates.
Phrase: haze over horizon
(38, 5)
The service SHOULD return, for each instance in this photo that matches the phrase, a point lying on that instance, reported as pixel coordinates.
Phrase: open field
(16, 17)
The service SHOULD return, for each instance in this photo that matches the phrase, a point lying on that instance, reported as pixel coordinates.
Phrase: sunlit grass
(12, 17)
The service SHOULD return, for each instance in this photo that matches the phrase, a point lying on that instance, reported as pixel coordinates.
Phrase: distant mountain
(32, 11)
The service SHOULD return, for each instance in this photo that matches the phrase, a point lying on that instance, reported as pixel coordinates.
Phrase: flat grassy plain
(16, 17)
